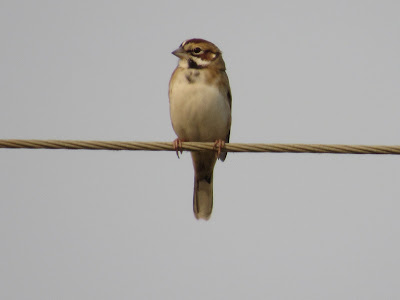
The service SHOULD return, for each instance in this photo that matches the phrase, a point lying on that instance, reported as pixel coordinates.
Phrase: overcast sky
(119, 225)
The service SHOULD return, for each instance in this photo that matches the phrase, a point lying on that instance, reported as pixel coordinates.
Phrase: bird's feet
(218, 145)
(177, 143)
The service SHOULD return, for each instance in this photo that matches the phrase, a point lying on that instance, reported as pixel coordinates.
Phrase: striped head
(199, 54)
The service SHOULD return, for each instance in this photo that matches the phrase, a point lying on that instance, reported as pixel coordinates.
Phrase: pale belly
(199, 112)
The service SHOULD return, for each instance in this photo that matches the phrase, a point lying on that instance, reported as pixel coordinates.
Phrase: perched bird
(200, 108)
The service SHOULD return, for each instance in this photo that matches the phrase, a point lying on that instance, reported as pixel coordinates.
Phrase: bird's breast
(199, 110)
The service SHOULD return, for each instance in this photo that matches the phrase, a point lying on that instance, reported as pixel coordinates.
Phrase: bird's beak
(179, 52)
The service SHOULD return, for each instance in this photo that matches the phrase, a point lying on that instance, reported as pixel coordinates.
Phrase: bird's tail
(203, 198)
(203, 163)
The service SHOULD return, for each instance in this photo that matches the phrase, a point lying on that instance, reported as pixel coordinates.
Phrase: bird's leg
(177, 143)
(219, 144)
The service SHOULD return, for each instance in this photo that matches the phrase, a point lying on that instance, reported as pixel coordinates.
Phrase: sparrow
(200, 103)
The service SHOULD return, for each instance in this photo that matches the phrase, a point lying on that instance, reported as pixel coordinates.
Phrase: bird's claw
(219, 145)
(177, 143)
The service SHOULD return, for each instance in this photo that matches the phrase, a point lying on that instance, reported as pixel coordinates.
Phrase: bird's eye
(197, 50)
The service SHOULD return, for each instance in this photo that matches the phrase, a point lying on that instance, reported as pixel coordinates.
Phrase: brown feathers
(200, 108)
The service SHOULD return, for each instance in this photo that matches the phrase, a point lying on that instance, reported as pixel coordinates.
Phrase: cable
(196, 146)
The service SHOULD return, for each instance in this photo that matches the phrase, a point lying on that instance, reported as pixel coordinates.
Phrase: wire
(197, 146)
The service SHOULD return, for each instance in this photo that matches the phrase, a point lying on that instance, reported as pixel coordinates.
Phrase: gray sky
(119, 225)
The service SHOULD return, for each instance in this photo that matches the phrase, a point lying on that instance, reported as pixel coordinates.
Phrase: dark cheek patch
(192, 64)
(204, 56)
(207, 56)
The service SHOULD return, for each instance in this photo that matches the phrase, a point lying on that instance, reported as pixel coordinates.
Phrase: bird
(200, 103)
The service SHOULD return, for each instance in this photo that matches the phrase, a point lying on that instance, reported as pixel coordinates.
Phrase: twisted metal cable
(196, 146)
